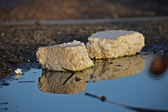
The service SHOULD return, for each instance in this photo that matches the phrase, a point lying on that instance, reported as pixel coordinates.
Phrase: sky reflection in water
(43, 90)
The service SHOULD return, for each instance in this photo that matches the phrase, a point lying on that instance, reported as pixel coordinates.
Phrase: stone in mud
(117, 68)
(72, 56)
(64, 82)
(114, 43)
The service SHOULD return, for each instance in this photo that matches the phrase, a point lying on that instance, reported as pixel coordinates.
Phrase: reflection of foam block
(117, 68)
(114, 43)
(72, 56)
(63, 82)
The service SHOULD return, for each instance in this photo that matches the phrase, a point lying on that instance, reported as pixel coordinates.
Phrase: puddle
(128, 84)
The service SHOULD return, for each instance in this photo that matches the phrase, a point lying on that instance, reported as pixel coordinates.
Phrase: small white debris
(3, 34)
(18, 71)
(28, 60)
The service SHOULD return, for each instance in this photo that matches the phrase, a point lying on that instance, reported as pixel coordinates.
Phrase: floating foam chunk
(114, 43)
(18, 71)
(70, 56)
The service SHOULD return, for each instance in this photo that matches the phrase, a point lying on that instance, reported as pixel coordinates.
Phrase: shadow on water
(158, 66)
(103, 99)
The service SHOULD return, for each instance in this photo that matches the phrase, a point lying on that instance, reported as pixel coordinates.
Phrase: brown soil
(18, 10)
(18, 44)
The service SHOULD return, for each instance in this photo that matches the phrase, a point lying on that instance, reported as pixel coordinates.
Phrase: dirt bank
(19, 10)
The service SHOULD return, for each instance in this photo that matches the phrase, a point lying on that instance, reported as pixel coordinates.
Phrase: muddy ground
(19, 44)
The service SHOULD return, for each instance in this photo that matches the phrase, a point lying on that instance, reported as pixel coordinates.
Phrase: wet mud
(19, 44)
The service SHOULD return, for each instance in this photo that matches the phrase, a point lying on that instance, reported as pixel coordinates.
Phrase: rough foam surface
(71, 56)
(114, 43)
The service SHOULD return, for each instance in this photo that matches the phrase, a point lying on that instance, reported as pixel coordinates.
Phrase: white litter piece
(18, 71)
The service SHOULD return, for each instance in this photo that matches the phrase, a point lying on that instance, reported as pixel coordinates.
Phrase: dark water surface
(139, 81)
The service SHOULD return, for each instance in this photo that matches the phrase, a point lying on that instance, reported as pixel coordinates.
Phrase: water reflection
(159, 65)
(64, 82)
(117, 68)
(18, 76)
(73, 83)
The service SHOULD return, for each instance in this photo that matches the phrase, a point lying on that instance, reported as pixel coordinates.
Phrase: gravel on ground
(19, 43)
